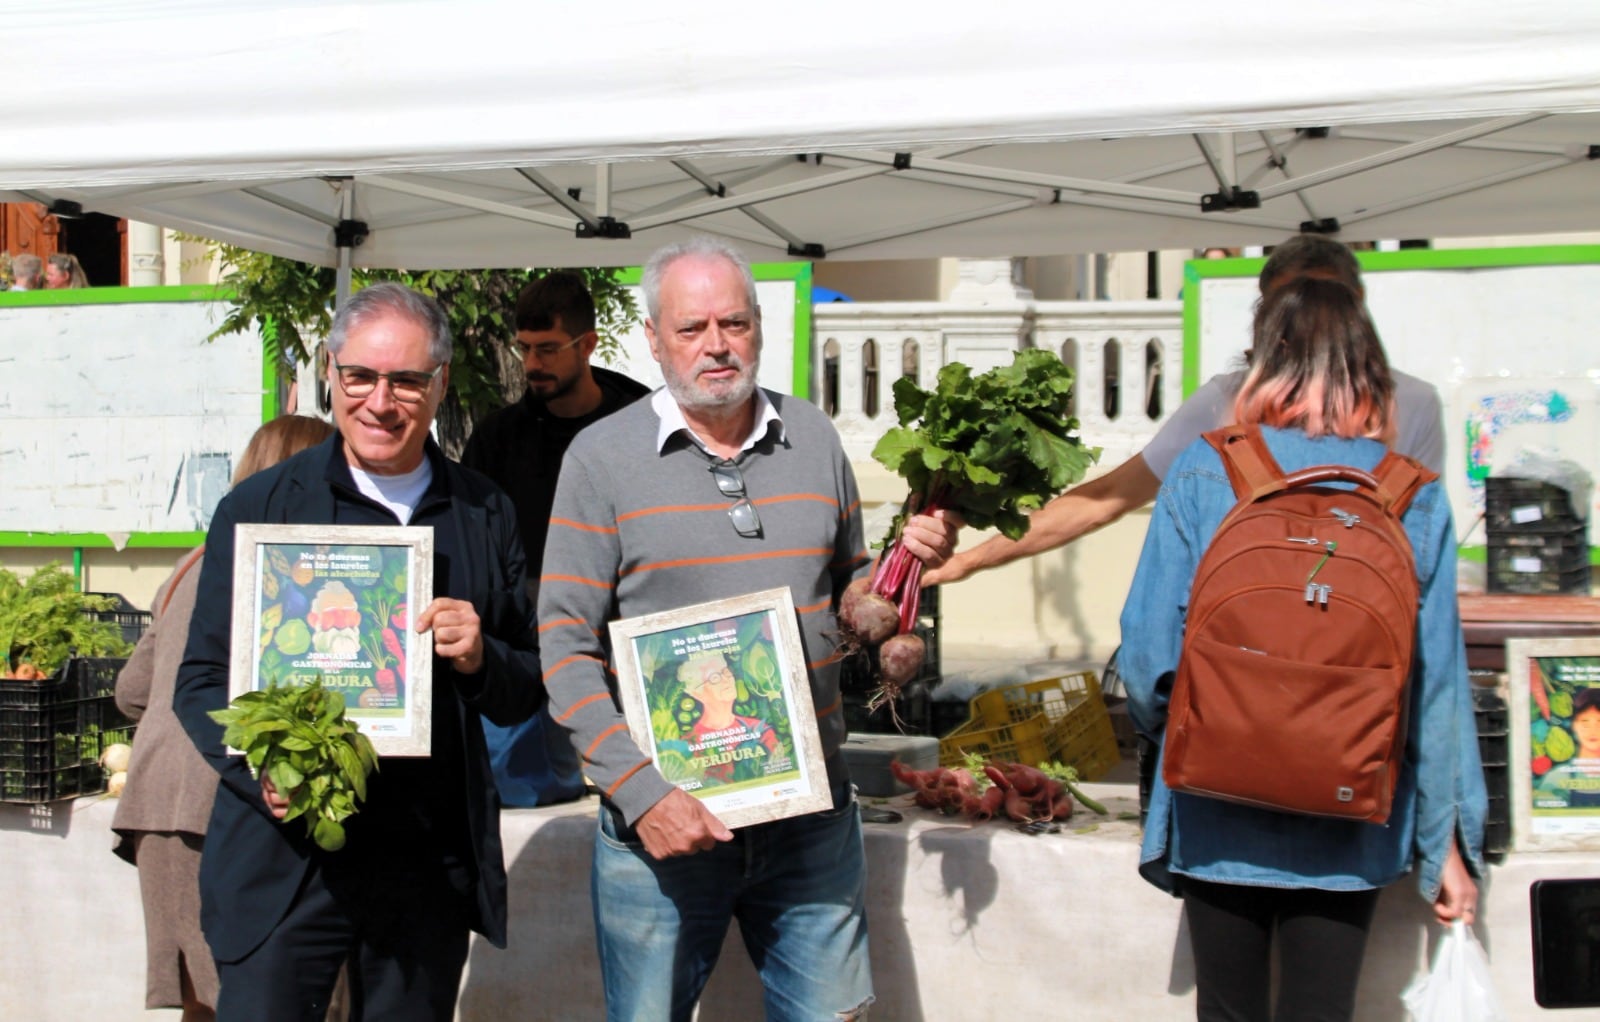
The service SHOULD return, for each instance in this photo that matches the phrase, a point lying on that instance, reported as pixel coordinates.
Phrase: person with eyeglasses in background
(520, 447)
(712, 488)
(422, 863)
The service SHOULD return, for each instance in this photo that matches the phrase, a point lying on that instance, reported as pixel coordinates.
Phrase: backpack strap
(1252, 469)
(1399, 478)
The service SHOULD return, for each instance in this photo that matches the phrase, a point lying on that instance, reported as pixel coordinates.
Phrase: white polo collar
(672, 420)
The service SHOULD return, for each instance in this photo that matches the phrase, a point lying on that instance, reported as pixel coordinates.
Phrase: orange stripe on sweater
(855, 505)
(689, 562)
(834, 658)
(823, 605)
(623, 779)
(832, 709)
(588, 753)
(562, 622)
(574, 579)
(583, 527)
(581, 703)
(666, 509)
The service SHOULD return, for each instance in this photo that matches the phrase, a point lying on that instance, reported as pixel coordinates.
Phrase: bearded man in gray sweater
(711, 488)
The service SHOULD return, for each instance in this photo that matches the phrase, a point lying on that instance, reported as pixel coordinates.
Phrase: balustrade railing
(1127, 359)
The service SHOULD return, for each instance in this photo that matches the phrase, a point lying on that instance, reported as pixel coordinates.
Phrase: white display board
(118, 417)
(1507, 336)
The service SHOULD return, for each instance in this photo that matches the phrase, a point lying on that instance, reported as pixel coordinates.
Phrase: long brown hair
(276, 440)
(1317, 364)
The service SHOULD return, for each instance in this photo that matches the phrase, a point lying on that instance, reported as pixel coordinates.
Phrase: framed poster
(1555, 743)
(335, 602)
(718, 695)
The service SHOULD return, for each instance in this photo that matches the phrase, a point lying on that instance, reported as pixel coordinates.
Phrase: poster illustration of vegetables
(719, 696)
(1564, 743)
(323, 608)
(717, 708)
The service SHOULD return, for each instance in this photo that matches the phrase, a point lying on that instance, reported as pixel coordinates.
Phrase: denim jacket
(1440, 795)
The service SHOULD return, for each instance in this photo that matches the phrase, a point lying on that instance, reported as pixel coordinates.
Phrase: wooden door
(26, 227)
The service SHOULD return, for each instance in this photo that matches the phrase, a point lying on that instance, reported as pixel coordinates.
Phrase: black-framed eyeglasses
(407, 385)
(550, 349)
(743, 513)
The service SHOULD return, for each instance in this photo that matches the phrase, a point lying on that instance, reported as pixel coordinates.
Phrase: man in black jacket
(520, 447)
(422, 864)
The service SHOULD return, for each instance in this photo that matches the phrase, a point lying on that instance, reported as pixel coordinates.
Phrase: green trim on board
(117, 295)
(801, 274)
(101, 541)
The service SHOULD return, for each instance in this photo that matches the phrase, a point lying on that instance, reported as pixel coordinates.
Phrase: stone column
(990, 314)
(145, 263)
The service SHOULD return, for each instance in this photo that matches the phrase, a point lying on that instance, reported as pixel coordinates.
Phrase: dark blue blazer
(253, 865)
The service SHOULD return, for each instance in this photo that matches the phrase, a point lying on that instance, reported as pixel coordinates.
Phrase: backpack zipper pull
(1331, 546)
(1349, 520)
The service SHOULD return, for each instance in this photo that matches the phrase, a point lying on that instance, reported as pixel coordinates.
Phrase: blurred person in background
(160, 822)
(26, 272)
(63, 270)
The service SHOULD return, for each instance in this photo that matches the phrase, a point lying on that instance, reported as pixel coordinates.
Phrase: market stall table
(968, 923)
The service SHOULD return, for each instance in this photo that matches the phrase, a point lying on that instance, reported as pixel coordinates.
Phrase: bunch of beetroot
(981, 791)
(993, 448)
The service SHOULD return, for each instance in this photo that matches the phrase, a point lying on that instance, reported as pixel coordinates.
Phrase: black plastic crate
(1494, 748)
(130, 619)
(1512, 503)
(53, 732)
(1539, 561)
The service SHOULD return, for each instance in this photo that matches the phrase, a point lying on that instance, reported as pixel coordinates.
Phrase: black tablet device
(1566, 942)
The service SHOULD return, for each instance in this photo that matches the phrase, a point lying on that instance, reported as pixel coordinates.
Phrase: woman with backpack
(1305, 880)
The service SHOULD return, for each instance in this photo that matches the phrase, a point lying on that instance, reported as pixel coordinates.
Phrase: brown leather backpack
(1292, 688)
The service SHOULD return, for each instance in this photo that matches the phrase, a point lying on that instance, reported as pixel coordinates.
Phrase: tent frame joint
(1230, 198)
(349, 233)
(1321, 225)
(604, 227)
(808, 250)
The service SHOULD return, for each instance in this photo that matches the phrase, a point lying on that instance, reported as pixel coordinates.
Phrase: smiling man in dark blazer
(422, 864)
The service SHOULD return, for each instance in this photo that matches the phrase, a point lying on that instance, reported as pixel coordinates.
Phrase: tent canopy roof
(458, 134)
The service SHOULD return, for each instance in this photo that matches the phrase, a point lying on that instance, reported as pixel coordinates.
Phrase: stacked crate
(1537, 543)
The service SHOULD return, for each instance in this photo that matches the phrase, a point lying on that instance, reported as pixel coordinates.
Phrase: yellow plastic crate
(1056, 720)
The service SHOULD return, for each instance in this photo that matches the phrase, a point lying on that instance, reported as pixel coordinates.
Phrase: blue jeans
(797, 887)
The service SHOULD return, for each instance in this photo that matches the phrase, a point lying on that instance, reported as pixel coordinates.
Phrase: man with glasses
(520, 447)
(422, 863)
(711, 489)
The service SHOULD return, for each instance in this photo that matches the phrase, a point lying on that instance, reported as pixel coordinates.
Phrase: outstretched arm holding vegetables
(992, 449)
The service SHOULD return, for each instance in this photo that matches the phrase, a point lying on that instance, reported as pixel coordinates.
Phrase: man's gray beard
(690, 398)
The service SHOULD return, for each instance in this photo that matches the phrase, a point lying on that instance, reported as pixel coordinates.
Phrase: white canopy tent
(458, 133)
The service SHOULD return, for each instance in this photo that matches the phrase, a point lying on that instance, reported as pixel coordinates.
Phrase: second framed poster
(719, 697)
(1555, 743)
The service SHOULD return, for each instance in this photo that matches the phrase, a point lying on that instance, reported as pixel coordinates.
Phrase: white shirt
(672, 420)
(399, 493)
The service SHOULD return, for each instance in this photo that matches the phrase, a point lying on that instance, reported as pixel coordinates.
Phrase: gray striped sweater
(634, 532)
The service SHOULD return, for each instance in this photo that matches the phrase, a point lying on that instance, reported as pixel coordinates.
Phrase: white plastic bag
(1458, 987)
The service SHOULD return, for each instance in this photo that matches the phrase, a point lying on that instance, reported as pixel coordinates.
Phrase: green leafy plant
(993, 447)
(291, 304)
(297, 735)
(44, 620)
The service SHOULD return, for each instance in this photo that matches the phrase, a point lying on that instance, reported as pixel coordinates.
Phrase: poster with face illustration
(718, 696)
(1555, 742)
(335, 605)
